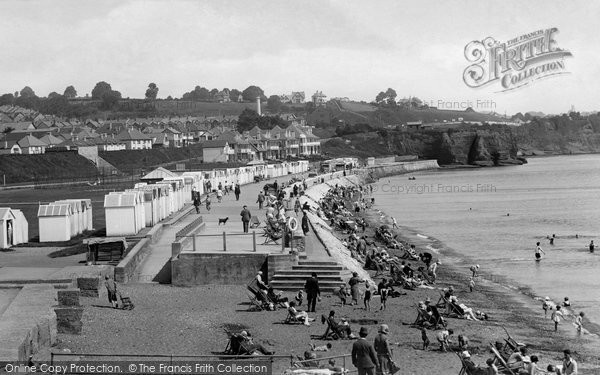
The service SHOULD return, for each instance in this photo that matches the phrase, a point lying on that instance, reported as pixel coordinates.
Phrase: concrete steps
(292, 280)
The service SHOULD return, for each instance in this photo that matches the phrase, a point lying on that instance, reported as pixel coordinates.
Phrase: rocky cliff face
(477, 145)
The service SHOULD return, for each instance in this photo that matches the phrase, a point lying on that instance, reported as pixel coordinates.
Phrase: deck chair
(512, 343)
(291, 318)
(254, 222)
(236, 346)
(272, 236)
(456, 311)
(428, 321)
(259, 300)
(501, 362)
(333, 332)
(442, 301)
(469, 369)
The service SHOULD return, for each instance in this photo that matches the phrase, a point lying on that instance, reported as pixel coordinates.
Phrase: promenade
(210, 237)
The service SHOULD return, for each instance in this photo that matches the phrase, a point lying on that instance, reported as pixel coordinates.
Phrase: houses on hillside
(217, 135)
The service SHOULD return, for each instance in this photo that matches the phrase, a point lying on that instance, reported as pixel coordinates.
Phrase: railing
(224, 235)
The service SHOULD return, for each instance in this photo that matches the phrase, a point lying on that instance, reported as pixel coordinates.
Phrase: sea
(494, 217)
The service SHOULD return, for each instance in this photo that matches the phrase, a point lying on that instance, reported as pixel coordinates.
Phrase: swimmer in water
(538, 252)
(592, 246)
(552, 239)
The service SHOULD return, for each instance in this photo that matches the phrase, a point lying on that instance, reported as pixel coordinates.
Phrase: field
(126, 161)
(28, 200)
(40, 168)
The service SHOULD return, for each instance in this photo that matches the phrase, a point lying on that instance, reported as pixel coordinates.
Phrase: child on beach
(471, 284)
(367, 300)
(579, 323)
(424, 338)
(343, 294)
(547, 305)
(474, 270)
(383, 293)
(299, 298)
(556, 315)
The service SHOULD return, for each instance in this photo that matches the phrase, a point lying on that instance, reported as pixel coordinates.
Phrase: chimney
(258, 105)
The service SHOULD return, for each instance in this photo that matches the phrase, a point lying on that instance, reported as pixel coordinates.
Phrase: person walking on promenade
(219, 195)
(312, 292)
(305, 228)
(111, 288)
(226, 188)
(246, 215)
(364, 357)
(208, 202)
(197, 203)
(382, 348)
(237, 192)
(297, 206)
(260, 200)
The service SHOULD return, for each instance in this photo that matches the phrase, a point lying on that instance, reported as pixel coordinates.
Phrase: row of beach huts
(159, 194)
(163, 192)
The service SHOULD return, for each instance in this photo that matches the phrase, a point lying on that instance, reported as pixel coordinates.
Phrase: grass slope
(44, 167)
(127, 160)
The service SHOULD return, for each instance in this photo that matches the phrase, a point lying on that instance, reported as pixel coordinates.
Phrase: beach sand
(205, 314)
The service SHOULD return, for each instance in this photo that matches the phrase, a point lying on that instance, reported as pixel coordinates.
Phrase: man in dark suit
(312, 292)
(363, 354)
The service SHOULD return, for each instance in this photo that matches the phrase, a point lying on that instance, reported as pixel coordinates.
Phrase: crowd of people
(398, 268)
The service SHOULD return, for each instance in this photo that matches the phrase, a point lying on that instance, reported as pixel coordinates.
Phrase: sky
(344, 48)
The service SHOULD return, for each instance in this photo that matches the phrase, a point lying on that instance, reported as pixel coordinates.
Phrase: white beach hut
(55, 222)
(7, 228)
(78, 220)
(120, 214)
(140, 208)
(21, 227)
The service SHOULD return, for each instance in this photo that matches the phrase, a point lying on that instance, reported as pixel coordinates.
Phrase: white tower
(258, 105)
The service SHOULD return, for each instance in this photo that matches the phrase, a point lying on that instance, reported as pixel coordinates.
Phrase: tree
(7, 99)
(28, 92)
(274, 103)
(104, 92)
(234, 94)
(247, 120)
(100, 89)
(214, 92)
(387, 97)
(252, 92)
(53, 94)
(70, 92)
(152, 91)
(8, 129)
(169, 97)
(198, 94)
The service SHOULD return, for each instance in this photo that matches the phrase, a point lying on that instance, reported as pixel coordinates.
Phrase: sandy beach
(206, 316)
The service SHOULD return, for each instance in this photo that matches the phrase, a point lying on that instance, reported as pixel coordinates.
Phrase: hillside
(130, 162)
(56, 166)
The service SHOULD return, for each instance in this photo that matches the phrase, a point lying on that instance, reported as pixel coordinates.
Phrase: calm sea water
(467, 210)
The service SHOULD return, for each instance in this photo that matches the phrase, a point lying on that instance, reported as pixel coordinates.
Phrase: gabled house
(9, 148)
(134, 140)
(173, 136)
(51, 141)
(31, 145)
(216, 151)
